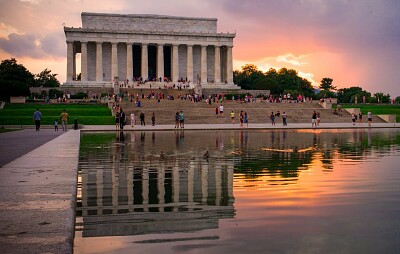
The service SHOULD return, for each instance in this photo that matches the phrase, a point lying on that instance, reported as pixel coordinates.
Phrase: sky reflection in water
(255, 191)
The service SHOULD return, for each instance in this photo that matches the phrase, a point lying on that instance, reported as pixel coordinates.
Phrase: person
(314, 119)
(233, 117)
(353, 118)
(142, 122)
(64, 117)
(369, 116)
(272, 117)
(177, 118)
(284, 116)
(360, 117)
(246, 119)
(122, 119)
(153, 119)
(133, 119)
(37, 116)
(117, 120)
(216, 111)
(318, 118)
(181, 119)
(221, 110)
(55, 125)
(241, 118)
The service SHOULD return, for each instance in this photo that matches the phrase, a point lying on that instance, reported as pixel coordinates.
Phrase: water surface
(243, 191)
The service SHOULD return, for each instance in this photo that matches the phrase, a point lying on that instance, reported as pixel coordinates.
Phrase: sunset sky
(354, 42)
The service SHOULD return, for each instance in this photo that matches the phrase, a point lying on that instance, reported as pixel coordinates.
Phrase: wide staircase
(258, 112)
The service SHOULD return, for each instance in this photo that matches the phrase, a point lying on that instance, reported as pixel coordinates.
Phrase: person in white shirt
(133, 119)
(221, 110)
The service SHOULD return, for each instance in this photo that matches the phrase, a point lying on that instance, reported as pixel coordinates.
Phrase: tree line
(15, 79)
(284, 81)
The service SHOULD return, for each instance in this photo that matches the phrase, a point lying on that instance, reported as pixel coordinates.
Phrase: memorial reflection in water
(143, 183)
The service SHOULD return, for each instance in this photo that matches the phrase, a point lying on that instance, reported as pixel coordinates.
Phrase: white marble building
(125, 48)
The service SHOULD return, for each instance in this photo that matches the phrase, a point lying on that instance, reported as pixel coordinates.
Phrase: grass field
(21, 114)
(377, 109)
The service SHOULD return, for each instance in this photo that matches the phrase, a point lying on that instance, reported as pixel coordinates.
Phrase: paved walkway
(38, 194)
(14, 144)
(38, 189)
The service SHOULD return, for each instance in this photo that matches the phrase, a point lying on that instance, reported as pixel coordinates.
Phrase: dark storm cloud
(21, 45)
(29, 45)
(54, 44)
(341, 21)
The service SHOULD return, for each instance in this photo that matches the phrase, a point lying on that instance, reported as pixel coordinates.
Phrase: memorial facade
(155, 49)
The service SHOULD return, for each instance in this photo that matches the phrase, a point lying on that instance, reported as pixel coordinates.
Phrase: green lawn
(377, 109)
(21, 114)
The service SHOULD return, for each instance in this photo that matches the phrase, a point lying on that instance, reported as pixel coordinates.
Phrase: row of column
(144, 62)
(176, 188)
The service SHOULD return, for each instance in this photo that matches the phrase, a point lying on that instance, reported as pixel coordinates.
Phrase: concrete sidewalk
(38, 197)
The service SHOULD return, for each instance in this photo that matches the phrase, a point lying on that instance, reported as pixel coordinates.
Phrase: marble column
(161, 186)
(145, 187)
(84, 69)
(114, 61)
(70, 61)
(145, 62)
(115, 190)
(189, 74)
(99, 61)
(204, 183)
(203, 65)
(160, 62)
(129, 186)
(99, 190)
(229, 65)
(175, 187)
(129, 62)
(74, 65)
(175, 63)
(217, 68)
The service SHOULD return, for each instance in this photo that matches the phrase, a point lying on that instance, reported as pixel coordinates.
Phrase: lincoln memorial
(132, 49)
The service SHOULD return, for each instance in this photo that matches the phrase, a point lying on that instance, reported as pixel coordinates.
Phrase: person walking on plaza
(360, 117)
(233, 117)
(353, 118)
(246, 119)
(272, 117)
(37, 116)
(55, 125)
(369, 116)
(314, 119)
(284, 116)
(122, 119)
(117, 120)
(142, 122)
(133, 119)
(221, 110)
(153, 120)
(318, 118)
(241, 118)
(64, 117)
(181, 119)
(177, 118)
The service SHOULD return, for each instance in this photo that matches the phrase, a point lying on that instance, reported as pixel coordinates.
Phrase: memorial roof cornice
(85, 30)
(146, 16)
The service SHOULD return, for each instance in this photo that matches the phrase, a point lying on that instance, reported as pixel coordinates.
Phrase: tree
(46, 79)
(15, 79)
(326, 85)
(347, 95)
(382, 98)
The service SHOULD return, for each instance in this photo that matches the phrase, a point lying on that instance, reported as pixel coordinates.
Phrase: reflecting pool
(239, 191)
